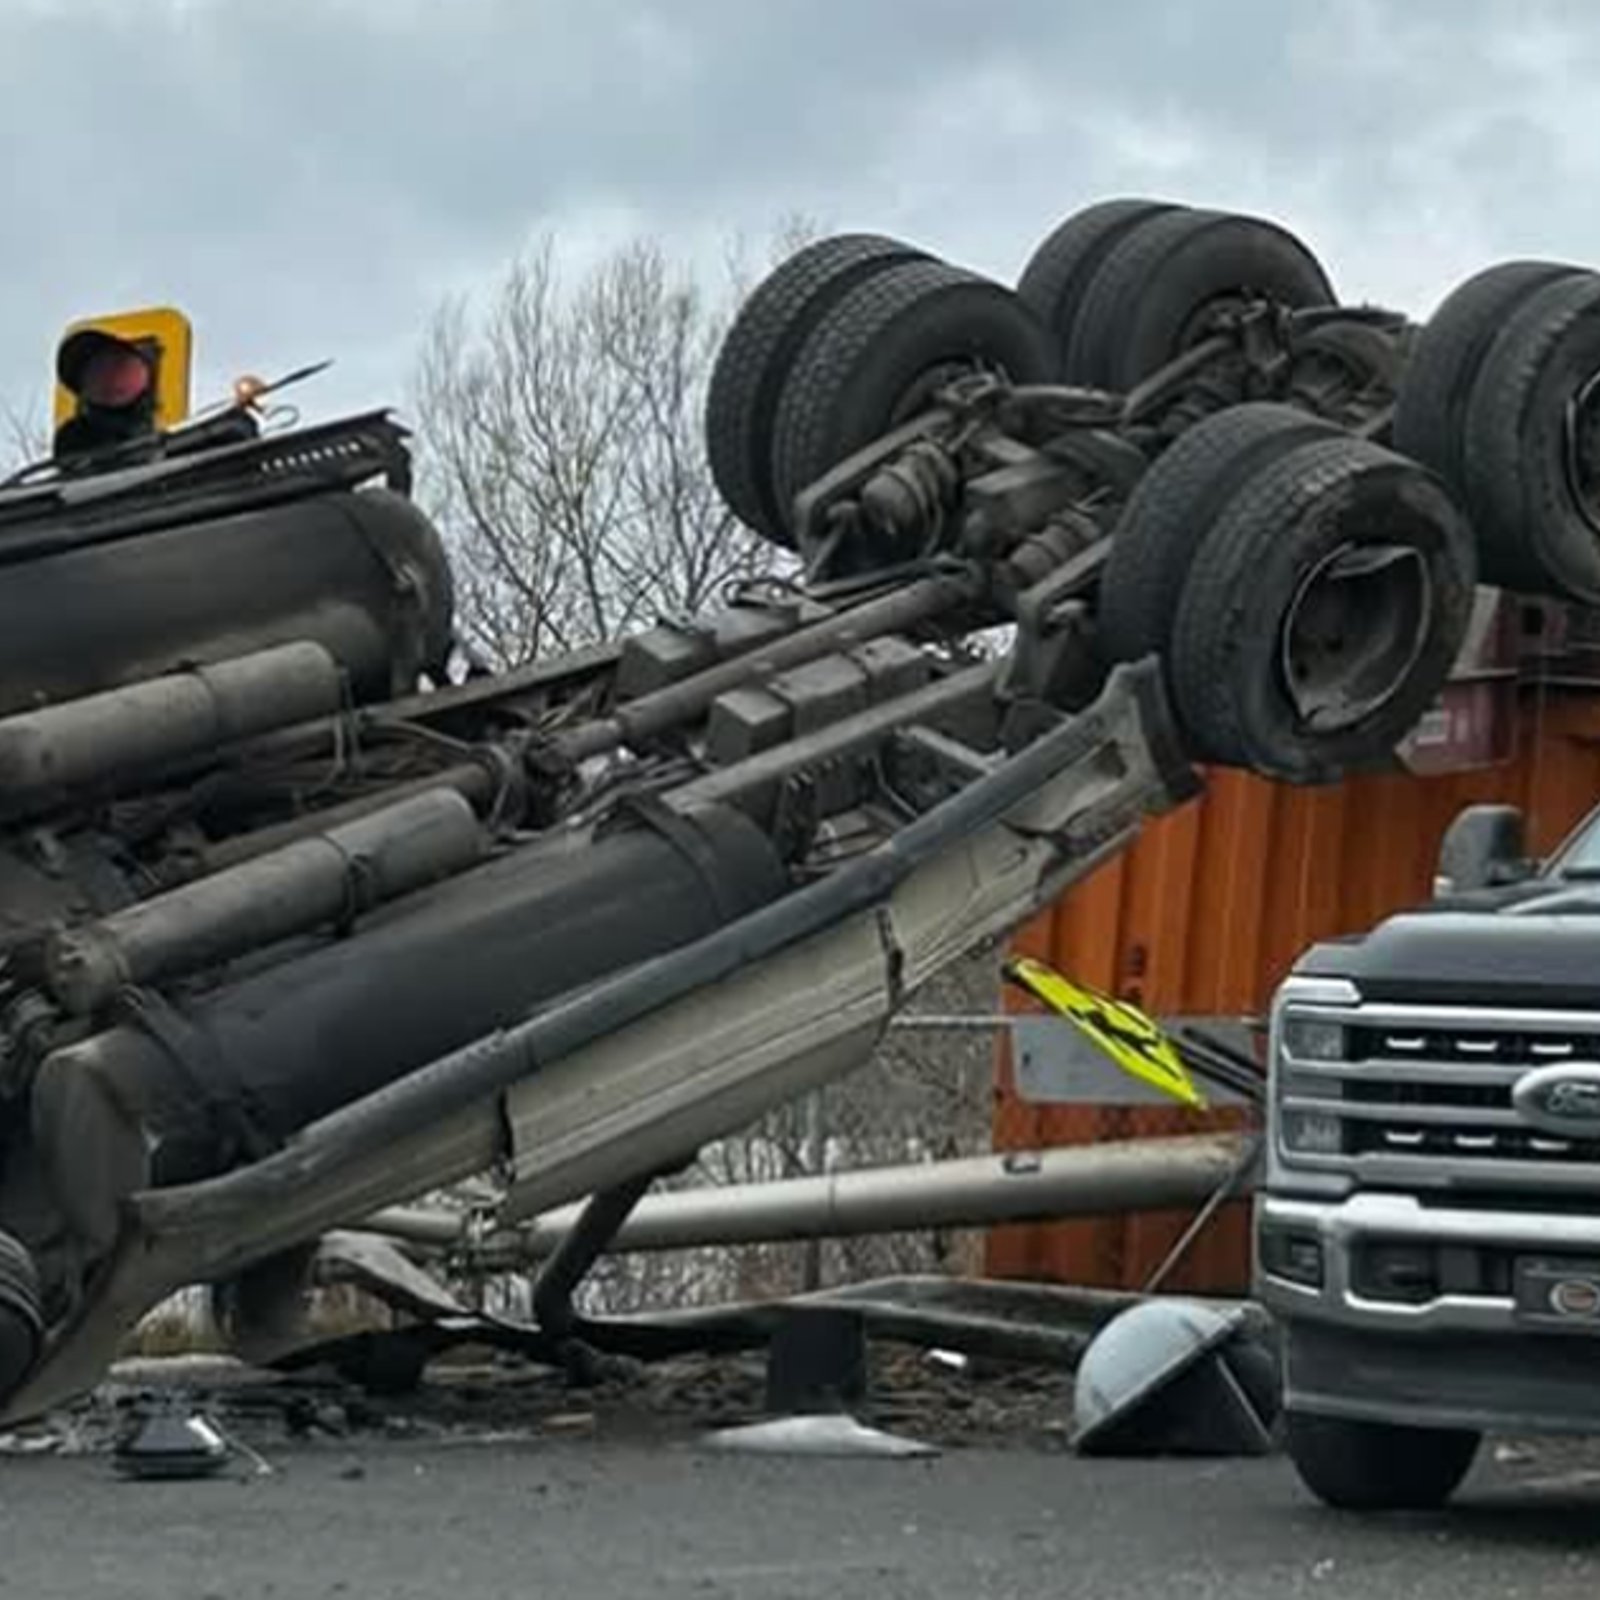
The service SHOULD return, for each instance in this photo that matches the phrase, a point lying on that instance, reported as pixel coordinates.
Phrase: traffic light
(120, 378)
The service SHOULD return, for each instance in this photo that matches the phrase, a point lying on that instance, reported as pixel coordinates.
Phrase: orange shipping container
(1213, 904)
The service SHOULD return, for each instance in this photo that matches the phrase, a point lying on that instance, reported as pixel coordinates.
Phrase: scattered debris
(837, 1435)
(171, 1440)
(1176, 1377)
(482, 1395)
(570, 1422)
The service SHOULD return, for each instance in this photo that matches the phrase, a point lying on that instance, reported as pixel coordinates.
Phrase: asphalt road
(593, 1519)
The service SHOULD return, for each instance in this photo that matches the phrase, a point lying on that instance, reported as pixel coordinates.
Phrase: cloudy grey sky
(308, 177)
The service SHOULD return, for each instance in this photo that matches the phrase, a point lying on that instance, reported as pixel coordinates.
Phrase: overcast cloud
(308, 177)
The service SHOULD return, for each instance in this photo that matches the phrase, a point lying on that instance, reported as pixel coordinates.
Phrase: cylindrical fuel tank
(320, 879)
(362, 573)
(433, 973)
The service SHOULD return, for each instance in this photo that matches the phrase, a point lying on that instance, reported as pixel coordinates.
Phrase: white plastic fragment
(836, 1435)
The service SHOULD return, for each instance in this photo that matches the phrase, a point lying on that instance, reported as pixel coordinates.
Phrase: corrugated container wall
(1212, 905)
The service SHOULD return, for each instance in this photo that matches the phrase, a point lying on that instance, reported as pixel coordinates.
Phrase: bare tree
(23, 435)
(561, 452)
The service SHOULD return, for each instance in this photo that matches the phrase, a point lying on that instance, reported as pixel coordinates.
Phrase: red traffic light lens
(115, 376)
(104, 371)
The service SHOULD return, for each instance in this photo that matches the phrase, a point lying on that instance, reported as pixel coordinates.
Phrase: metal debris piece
(1176, 1377)
(570, 1422)
(836, 1435)
(171, 1440)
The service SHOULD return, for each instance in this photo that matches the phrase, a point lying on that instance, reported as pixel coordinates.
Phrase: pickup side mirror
(1484, 848)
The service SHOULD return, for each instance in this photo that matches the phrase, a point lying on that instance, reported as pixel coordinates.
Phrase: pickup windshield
(1579, 855)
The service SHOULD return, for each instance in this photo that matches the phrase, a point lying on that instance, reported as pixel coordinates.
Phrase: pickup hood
(1536, 946)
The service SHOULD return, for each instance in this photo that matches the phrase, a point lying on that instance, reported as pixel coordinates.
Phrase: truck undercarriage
(302, 920)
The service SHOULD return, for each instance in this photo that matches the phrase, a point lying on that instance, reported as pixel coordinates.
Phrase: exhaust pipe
(123, 734)
(326, 879)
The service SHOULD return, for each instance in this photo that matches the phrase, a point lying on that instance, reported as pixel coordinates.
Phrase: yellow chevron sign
(1118, 1030)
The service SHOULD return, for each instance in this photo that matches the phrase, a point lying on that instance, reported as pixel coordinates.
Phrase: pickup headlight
(1311, 1133)
(1314, 1038)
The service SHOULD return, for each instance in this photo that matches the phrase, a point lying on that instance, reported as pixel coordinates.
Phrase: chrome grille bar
(1420, 1094)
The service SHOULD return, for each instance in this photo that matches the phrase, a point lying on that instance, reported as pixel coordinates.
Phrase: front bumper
(1444, 1343)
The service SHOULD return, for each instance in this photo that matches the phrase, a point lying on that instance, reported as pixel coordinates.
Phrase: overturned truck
(302, 920)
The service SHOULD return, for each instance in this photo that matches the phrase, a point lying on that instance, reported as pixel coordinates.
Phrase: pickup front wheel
(1375, 1466)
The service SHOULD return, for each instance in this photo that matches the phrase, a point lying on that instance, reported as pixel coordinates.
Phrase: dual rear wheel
(1307, 591)
(853, 334)
(1307, 588)
(1501, 399)
(1127, 286)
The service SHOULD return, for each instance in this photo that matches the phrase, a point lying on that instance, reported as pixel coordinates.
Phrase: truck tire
(1431, 406)
(875, 359)
(21, 1315)
(1158, 290)
(747, 376)
(1176, 502)
(1531, 445)
(1374, 1466)
(1058, 272)
(1323, 612)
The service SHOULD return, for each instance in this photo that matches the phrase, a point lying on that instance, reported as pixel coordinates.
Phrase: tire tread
(1431, 407)
(1170, 513)
(747, 376)
(839, 349)
(1060, 270)
(1522, 519)
(1128, 285)
(1233, 570)
(1371, 1466)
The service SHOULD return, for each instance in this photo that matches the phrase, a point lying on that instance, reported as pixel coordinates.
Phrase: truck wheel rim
(1353, 633)
(1582, 440)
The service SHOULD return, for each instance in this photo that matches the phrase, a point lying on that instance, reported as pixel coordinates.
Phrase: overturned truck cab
(301, 917)
(299, 924)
